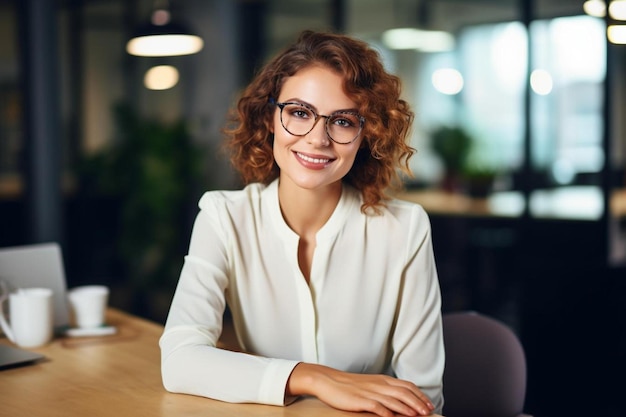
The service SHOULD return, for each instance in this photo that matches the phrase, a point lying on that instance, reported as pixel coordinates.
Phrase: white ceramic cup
(89, 304)
(31, 317)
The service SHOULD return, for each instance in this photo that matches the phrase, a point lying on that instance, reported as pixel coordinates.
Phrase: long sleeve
(417, 342)
(191, 362)
(372, 304)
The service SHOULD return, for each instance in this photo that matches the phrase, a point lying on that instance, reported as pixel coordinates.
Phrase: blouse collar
(349, 205)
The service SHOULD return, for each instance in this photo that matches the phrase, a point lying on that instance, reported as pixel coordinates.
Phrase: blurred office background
(519, 128)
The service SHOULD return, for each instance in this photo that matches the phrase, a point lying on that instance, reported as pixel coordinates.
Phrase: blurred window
(567, 74)
(569, 53)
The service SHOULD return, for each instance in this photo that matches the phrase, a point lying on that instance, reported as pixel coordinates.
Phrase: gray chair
(485, 373)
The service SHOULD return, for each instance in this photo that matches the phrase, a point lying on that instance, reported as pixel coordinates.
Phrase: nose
(318, 136)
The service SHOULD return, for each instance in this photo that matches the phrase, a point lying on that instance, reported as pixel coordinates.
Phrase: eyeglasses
(342, 127)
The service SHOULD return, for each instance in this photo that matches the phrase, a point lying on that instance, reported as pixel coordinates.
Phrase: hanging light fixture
(163, 37)
(161, 77)
(597, 8)
(418, 36)
(616, 33)
(418, 39)
(617, 9)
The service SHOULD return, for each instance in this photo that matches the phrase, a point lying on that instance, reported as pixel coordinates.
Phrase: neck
(306, 211)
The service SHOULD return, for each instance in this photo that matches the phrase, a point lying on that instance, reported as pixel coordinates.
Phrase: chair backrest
(485, 373)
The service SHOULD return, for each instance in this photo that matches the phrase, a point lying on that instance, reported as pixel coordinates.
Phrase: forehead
(319, 86)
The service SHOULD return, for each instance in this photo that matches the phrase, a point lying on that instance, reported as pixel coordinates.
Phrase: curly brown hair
(384, 148)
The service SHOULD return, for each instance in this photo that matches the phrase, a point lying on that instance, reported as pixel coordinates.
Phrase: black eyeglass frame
(281, 106)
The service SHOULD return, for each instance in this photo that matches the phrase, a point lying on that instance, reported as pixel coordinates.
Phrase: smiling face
(313, 161)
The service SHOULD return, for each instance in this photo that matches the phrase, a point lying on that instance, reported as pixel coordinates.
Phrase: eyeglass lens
(342, 126)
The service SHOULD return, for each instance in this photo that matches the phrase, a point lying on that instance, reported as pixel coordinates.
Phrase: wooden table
(119, 376)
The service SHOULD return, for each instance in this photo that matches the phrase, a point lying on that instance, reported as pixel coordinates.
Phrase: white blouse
(372, 305)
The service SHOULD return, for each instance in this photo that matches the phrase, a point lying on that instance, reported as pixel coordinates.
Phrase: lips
(317, 161)
(311, 159)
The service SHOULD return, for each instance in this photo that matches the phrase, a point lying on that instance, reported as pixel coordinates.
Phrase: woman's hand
(379, 394)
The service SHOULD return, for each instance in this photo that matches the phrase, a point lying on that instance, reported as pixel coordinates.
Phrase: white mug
(89, 304)
(31, 316)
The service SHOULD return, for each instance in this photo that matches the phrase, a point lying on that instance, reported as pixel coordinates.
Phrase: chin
(313, 184)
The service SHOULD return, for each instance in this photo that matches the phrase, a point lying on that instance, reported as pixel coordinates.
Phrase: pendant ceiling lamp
(163, 37)
(616, 33)
(597, 8)
(417, 35)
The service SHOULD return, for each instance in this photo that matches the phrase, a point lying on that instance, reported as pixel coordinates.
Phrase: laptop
(11, 357)
(38, 265)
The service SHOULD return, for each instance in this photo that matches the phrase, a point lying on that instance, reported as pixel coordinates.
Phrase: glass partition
(566, 115)
(503, 93)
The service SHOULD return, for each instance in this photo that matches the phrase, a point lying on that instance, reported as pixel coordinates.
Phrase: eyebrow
(307, 104)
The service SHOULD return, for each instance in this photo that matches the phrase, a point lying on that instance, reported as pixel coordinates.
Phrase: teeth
(312, 160)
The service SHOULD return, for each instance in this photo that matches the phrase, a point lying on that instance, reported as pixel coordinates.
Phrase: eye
(299, 112)
(345, 120)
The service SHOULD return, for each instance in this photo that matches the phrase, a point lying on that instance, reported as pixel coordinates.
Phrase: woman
(331, 285)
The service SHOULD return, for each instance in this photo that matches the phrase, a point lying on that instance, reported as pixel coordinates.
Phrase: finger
(415, 391)
(417, 402)
(398, 399)
(424, 399)
(380, 409)
(399, 407)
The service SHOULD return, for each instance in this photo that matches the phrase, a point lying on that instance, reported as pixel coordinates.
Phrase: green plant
(478, 179)
(151, 169)
(453, 145)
